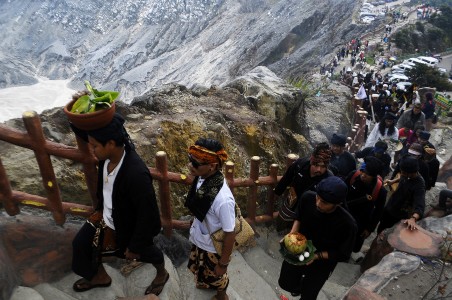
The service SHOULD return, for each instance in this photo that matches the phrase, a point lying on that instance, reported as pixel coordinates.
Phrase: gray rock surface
(392, 265)
(132, 46)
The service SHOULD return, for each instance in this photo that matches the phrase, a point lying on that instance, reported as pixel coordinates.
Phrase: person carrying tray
(332, 231)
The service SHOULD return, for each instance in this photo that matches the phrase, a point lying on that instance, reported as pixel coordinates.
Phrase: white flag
(361, 93)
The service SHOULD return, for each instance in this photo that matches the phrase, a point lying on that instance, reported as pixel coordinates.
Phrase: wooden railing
(34, 139)
(357, 133)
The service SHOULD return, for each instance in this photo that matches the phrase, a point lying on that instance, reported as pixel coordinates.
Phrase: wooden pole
(6, 198)
(252, 193)
(229, 175)
(89, 169)
(273, 173)
(34, 129)
(22, 139)
(161, 164)
(43, 203)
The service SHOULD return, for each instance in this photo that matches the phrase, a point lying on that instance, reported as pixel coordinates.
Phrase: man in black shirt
(332, 230)
(416, 152)
(342, 162)
(366, 198)
(407, 202)
(303, 175)
(379, 151)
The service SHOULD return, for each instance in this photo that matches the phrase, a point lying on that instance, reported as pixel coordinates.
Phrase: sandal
(83, 285)
(156, 288)
(202, 286)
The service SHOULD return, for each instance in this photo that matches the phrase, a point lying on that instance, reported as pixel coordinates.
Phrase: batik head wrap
(321, 154)
(208, 156)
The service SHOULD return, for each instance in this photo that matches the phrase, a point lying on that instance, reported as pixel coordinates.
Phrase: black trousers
(305, 280)
(84, 262)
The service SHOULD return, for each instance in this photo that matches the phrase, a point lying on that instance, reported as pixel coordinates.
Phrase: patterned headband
(323, 156)
(206, 155)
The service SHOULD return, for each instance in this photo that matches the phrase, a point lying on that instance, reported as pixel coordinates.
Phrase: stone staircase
(253, 275)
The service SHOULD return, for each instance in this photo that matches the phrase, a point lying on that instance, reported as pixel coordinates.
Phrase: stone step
(345, 274)
(343, 277)
(22, 293)
(253, 275)
(48, 291)
(244, 283)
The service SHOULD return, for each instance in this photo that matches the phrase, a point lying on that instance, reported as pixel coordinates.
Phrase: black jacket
(135, 212)
(298, 176)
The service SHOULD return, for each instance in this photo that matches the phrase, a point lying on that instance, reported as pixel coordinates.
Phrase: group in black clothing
(356, 197)
(338, 205)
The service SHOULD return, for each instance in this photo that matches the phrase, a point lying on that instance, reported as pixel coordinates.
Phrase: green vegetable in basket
(94, 101)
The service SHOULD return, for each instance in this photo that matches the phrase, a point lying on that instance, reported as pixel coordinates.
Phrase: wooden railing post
(273, 173)
(6, 194)
(34, 129)
(362, 115)
(229, 174)
(161, 165)
(252, 194)
(291, 157)
(89, 169)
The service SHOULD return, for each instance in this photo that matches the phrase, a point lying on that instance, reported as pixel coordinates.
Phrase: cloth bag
(287, 210)
(244, 234)
(105, 237)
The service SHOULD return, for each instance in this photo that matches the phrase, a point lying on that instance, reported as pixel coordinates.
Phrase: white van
(416, 61)
(406, 62)
(430, 61)
(402, 67)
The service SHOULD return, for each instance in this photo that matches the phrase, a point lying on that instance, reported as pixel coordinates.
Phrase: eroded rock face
(132, 46)
(258, 114)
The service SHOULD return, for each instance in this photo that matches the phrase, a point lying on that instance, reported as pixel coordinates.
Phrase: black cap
(372, 166)
(332, 189)
(339, 139)
(409, 164)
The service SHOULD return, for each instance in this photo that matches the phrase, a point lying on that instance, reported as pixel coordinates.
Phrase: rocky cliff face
(133, 46)
(249, 115)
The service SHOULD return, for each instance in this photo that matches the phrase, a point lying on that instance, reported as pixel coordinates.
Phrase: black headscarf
(113, 131)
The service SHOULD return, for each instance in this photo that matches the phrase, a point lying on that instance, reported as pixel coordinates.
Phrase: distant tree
(403, 40)
(443, 20)
(431, 36)
(426, 76)
(420, 27)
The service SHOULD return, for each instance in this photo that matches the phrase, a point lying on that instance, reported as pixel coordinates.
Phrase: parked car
(406, 62)
(438, 57)
(397, 78)
(396, 72)
(402, 67)
(429, 61)
(416, 60)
